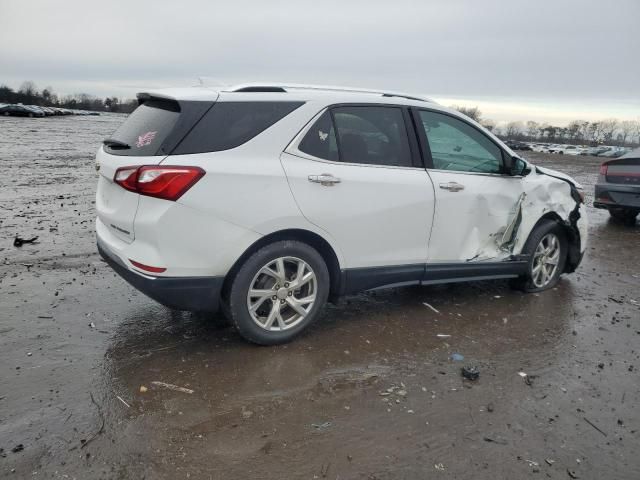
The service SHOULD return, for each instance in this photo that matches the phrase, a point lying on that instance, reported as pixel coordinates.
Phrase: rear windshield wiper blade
(113, 143)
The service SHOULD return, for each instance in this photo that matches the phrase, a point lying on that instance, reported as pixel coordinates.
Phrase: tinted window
(372, 135)
(146, 128)
(230, 124)
(320, 140)
(456, 145)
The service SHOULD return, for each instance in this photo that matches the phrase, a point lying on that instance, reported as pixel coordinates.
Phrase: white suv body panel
(378, 216)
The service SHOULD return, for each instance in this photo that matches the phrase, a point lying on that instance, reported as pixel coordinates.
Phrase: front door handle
(326, 179)
(452, 186)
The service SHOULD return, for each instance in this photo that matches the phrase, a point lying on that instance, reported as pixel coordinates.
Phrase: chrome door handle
(452, 186)
(326, 179)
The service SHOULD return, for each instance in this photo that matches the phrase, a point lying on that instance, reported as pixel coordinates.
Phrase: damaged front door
(478, 204)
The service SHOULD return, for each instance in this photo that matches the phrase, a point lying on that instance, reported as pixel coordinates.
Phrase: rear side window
(320, 140)
(146, 129)
(230, 124)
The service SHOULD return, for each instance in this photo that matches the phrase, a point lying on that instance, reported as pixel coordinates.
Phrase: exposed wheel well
(310, 238)
(573, 239)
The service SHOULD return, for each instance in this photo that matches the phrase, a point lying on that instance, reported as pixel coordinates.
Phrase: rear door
(354, 174)
(146, 137)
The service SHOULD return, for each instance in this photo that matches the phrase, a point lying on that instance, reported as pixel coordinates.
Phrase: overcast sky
(517, 59)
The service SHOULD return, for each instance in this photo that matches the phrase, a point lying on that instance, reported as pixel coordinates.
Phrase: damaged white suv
(267, 200)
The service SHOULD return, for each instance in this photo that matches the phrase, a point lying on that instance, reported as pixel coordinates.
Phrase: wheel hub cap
(282, 294)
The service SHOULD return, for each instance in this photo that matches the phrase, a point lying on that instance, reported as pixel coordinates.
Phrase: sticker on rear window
(145, 139)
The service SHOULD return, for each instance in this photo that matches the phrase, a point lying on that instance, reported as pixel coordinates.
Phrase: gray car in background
(618, 187)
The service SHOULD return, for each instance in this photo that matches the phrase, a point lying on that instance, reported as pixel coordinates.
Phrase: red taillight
(603, 169)
(166, 182)
(147, 268)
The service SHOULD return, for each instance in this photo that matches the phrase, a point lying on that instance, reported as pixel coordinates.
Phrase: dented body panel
(493, 216)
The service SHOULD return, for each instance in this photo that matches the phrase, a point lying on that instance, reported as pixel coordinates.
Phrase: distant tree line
(610, 131)
(28, 94)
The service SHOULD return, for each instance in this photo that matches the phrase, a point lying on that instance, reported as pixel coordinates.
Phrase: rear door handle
(326, 179)
(452, 186)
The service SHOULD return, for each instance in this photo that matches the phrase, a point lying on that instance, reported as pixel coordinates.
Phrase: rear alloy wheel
(547, 251)
(282, 294)
(278, 292)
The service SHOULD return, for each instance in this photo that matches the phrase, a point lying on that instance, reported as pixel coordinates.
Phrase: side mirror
(516, 166)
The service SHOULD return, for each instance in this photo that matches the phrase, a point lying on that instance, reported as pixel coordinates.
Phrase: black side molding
(360, 279)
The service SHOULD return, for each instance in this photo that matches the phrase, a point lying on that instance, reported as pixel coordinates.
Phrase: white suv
(267, 200)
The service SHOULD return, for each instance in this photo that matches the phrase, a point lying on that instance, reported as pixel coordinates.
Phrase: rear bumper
(197, 294)
(621, 196)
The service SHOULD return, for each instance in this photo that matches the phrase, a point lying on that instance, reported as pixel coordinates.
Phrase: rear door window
(372, 135)
(320, 140)
(230, 124)
(145, 130)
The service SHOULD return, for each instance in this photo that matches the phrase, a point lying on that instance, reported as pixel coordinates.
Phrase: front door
(477, 202)
(353, 175)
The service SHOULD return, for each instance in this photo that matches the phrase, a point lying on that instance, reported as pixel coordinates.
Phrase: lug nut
(277, 286)
(282, 302)
(274, 298)
(286, 285)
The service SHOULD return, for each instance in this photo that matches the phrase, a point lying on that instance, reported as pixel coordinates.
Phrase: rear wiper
(113, 143)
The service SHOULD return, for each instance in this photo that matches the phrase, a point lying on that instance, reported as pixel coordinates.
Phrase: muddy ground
(370, 392)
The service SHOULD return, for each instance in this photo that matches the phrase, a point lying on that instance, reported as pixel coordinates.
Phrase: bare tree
(608, 129)
(514, 129)
(473, 113)
(488, 124)
(533, 129)
(627, 130)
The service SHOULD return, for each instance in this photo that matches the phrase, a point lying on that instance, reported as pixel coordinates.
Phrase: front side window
(457, 146)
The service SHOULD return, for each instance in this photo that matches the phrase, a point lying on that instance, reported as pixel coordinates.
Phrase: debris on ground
(143, 389)
(498, 440)
(18, 242)
(549, 461)
(470, 372)
(572, 473)
(439, 466)
(443, 335)
(171, 386)
(490, 408)
(123, 401)
(429, 306)
(594, 425)
(321, 426)
(457, 357)
(18, 448)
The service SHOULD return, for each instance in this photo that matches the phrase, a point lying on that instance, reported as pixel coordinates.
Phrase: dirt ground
(370, 392)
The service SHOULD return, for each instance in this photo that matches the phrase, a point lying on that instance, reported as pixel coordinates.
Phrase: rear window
(146, 129)
(230, 124)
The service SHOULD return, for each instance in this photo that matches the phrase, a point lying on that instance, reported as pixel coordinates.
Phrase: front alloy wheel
(282, 294)
(545, 260)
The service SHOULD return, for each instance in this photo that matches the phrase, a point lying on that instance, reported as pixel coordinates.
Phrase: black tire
(237, 307)
(526, 283)
(625, 215)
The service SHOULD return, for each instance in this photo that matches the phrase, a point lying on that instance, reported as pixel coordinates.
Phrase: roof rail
(283, 87)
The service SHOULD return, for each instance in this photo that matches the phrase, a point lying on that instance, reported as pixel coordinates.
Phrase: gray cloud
(539, 50)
